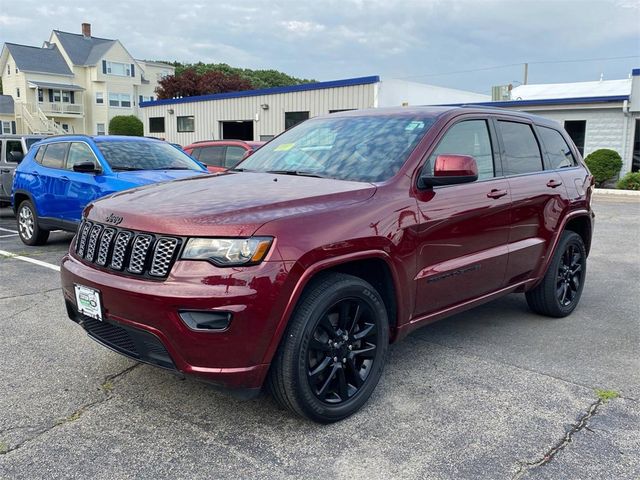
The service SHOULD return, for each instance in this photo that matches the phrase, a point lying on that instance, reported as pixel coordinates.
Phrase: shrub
(126, 125)
(631, 181)
(604, 164)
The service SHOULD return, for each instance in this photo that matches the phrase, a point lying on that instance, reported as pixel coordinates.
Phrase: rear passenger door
(8, 164)
(538, 198)
(51, 193)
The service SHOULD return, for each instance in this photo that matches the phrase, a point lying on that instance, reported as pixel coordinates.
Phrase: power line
(497, 67)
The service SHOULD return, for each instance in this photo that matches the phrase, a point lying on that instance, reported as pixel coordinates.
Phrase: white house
(75, 83)
(601, 114)
(261, 114)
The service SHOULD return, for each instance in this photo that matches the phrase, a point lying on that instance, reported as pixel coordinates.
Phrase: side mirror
(450, 170)
(16, 156)
(86, 167)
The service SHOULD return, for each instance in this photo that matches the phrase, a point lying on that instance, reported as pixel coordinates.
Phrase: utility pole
(526, 73)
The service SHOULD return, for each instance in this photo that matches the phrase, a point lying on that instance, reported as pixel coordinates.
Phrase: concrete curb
(612, 191)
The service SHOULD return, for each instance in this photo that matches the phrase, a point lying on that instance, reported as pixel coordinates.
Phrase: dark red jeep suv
(297, 268)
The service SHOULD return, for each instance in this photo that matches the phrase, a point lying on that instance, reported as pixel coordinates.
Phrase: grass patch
(107, 386)
(4, 448)
(606, 395)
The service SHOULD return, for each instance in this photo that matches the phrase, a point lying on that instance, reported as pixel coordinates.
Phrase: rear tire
(29, 230)
(333, 351)
(559, 292)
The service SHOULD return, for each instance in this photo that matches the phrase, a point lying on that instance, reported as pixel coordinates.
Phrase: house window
(122, 100)
(17, 92)
(100, 98)
(17, 69)
(65, 96)
(100, 130)
(40, 95)
(8, 69)
(186, 124)
(6, 127)
(156, 125)
(65, 127)
(576, 130)
(56, 95)
(294, 118)
(120, 69)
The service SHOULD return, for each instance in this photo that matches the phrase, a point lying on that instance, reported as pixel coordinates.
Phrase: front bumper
(141, 317)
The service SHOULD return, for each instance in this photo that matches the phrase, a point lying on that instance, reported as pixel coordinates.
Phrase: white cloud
(302, 27)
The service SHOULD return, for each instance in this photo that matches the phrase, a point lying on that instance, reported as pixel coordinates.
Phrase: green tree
(604, 164)
(126, 125)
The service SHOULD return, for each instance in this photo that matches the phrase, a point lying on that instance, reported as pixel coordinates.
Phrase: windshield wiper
(173, 168)
(299, 173)
(128, 169)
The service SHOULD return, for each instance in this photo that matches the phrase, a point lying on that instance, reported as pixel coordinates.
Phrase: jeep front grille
(143, 254)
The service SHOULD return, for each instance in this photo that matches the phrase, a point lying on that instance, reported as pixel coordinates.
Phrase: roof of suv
(101, 138)
(209, 143)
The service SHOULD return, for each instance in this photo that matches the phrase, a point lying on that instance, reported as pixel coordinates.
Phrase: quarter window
(40, 154)
(522, 152)
(558, 152)
(186, 124)
(55, 154)
(470, 137)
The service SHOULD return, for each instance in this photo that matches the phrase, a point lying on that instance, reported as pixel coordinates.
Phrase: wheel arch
(382, 276)
(20, 196)
(582, 225)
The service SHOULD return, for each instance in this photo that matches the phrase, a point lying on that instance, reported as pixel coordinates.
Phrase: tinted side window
(40, 154)
(213, 156)
(78, 153)
(55, 154)
(470, 137)
(558, 152)
(12, 146)
(521, 148)
(233, 156)
(195, 153)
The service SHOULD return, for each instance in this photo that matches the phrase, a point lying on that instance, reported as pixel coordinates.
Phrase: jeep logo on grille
(114, 219)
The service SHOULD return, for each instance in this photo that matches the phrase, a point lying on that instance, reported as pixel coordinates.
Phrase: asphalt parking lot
(496, 392)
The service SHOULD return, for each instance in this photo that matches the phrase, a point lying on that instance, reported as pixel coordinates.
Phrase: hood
(230, 204)
(145, 177)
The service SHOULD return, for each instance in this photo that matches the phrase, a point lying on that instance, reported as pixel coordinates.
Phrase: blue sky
(418, 40)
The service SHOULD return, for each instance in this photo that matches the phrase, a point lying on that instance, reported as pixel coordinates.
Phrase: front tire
(333, 351)
(29, 230)
(559, 292)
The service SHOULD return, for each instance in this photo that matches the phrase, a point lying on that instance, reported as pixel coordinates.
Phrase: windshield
(141, 155)
(364, 149)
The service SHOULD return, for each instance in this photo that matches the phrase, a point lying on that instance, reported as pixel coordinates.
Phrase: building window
(293, 118)
(100, 130)
(8, 69)
(122, 100)
(266, 138)
(156, 125)
(56, 95)
(40, 95)
(66, 98)
(17, 69)
(17, 93)
(576, 130)
(119, 69)
(342, 110)
(100, 98)
(186, 124)
(6, 127)
(65, 127)
(635, 164)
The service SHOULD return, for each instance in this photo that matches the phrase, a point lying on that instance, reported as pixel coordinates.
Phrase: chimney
(86, 30)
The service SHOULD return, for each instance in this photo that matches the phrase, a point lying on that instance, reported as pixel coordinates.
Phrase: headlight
(228, 252)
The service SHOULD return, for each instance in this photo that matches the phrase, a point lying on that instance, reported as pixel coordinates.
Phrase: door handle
(5, 170)
(495, 193)
(64, 179)
(553, 183)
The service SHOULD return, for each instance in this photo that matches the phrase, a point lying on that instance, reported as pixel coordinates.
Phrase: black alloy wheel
(342, 350)
(569, 276)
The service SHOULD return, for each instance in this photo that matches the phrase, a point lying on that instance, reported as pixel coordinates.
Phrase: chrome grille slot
(162, 256)
(105, 245)
(83, 233)
(120, 249)
(93, 241)
(139, 253)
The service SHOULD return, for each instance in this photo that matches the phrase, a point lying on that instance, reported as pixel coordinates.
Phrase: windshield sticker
(284, 147)
(413, 125)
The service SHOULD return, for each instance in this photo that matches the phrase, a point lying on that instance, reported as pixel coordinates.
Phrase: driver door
(463, 229)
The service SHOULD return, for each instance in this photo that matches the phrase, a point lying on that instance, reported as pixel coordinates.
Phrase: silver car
(13, 148)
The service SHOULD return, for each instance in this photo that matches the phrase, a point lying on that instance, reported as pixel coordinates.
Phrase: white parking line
(9, 235)
(7, 230)
(30, 260)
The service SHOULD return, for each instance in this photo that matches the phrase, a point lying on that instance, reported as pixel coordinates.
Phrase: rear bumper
(141, 318)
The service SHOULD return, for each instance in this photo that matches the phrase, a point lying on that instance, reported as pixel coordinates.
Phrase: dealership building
(262, 114)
